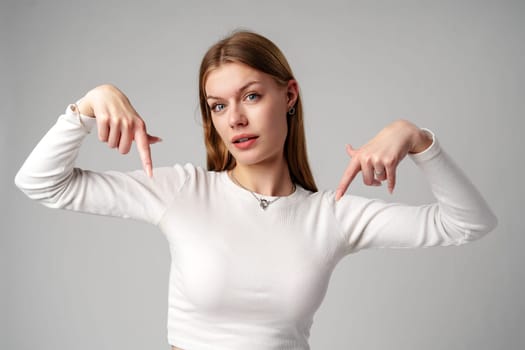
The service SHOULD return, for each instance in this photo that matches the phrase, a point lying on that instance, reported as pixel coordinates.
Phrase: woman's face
(248, 110)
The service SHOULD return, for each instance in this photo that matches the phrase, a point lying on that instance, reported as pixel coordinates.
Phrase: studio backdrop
(77, 281)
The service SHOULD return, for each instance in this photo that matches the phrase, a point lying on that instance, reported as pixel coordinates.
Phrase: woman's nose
(237, 116)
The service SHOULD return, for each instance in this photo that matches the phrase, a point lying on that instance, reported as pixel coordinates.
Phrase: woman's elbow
(482, 227)
(22, 183)
(48, 196)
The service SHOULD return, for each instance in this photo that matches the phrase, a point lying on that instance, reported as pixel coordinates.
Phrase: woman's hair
(259, 53)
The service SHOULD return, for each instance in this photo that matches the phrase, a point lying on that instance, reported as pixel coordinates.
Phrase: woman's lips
(244, 142)
(242, 137)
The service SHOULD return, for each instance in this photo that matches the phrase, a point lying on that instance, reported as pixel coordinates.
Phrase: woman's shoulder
(187, 167)
(322, 197)
(326, 198)
(195, 170)
(185, 173)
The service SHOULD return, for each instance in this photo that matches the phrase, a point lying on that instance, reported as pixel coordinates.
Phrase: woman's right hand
(118, 123)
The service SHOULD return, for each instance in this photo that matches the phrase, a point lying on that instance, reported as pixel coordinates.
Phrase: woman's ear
(292, 92)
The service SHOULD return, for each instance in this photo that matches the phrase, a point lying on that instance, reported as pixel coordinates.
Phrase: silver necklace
(263, 203)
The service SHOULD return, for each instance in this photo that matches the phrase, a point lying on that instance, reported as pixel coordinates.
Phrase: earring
(291, 111)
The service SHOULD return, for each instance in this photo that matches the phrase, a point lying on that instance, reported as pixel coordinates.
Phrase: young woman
(253, 242)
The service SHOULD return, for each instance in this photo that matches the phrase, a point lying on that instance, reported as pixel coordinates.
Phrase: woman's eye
(252, 97)
(217, 107)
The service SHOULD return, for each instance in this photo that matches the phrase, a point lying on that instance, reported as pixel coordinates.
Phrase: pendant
(263, 203)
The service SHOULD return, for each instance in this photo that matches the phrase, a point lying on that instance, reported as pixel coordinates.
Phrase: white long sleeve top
(242, 277)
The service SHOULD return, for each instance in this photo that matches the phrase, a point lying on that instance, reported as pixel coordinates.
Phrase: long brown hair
(262, 54)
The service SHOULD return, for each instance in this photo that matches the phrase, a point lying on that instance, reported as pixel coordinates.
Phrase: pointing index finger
(348, 176)
(144, 150)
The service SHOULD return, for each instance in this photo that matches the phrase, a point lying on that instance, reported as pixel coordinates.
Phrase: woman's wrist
(84, 108)
(420, 142)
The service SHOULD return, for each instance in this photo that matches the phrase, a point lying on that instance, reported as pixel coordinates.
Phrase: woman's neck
(267, 180)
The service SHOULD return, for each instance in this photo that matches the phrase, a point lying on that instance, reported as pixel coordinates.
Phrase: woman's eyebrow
(244, 87)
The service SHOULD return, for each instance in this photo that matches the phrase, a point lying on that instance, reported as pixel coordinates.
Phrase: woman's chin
(248, 161)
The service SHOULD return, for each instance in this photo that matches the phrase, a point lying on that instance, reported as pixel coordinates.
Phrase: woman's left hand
(378, 159)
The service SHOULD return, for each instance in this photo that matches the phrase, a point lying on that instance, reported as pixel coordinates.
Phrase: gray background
(75, 281)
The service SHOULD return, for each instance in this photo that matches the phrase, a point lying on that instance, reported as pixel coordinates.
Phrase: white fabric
(243, 278)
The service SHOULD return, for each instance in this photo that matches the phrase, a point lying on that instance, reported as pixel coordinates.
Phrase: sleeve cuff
(432, 151)
(86, 122)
